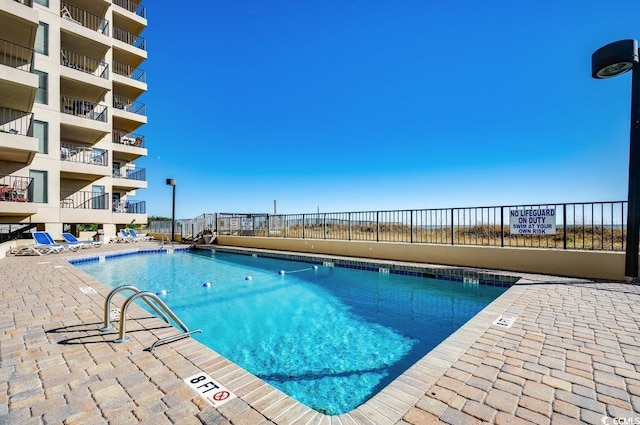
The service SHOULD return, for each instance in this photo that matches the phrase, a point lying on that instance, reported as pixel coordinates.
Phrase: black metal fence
(129, 105)
(132, 6)
(13, 121)
(129, 38)
(84, 17)
(130, 71)
(84, 63)
(585, 226)
(85, 200)
(16, 56)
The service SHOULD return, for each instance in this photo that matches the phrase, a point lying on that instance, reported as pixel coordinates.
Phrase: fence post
(377, 226)
(502, 227)
(349, 228)
(452, 232)
(303, 226)
(324, 226)
(564, 226)
(411, 226)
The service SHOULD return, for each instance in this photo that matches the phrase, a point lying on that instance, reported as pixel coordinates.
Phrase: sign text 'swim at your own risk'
(540, 221)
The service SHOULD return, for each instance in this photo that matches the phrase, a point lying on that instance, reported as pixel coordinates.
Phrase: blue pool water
(330, 337)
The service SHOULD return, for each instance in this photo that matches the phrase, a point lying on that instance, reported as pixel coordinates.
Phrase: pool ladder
(152, 301)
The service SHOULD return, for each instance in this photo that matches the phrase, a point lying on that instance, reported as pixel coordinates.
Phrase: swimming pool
(330, 337)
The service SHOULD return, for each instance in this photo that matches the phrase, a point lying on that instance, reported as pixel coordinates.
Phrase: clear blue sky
(338, 105)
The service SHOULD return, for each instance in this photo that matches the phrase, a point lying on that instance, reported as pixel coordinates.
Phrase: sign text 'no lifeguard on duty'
(538, 221)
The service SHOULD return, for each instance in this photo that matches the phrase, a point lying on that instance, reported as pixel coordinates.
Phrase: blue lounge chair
(125, 236)
(72, 240)
(45, 239)
(136, 237)
(31, 249)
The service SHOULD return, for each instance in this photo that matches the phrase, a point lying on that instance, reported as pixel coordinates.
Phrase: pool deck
(572, 355)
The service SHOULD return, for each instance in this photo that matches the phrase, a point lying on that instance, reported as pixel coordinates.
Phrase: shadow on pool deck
(572, 355)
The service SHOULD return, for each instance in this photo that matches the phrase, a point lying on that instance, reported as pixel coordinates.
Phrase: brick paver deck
(571, 356)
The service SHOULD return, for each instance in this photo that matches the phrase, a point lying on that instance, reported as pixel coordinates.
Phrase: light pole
(172, 182)
(608, 61)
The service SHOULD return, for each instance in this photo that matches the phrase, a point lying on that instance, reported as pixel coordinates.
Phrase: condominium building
(70, 79)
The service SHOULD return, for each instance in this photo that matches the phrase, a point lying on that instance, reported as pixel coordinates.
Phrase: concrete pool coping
(572, 355)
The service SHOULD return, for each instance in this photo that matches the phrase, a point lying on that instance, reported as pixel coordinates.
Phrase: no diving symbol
(220, 395)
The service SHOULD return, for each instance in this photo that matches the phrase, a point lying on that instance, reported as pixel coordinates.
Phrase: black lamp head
(614, 59)
(171, 182)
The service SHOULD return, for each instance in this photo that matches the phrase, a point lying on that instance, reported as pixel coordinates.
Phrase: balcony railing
(129, 38)
(129, 105)
(28, 3)
(129, 172)
(129, 139)
(83, 108)
(16, 189)
(16, 122)
(16, 56)
(84, 200)
(83, 154)
(132, 6)
(129, 71)
(130, 207)
(84, 18)
(84, 63)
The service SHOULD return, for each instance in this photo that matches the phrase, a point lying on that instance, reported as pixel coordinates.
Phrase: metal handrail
(107, 303)
(129, 38)
(164, 235)
(16, 55)
(84, 18)
(13, 121)
(132, 6)
(84, 63)
(146, 295)
(129, 105)
(129, 71)
(83, 108)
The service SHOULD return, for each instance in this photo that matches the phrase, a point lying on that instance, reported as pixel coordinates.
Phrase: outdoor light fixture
(608, 61)
(172, 182)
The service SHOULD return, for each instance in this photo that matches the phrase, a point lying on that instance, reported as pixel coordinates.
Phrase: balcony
(84, 64)
(83, 108)
(129, 177)
(82, 162)
(130, 207)
(128, 81)
(16, 56)
(17, 143)
(129, 38)
(84, 200)
(129, 172)
(15, 189)
(128, 147)
(129, 71)
(128, 114)
(83, 154)
(16, 194)
(84, 18)
(17, 84)
(133, 7)
(128, 139)
(83, 76)
(128, 46)
(129, 105)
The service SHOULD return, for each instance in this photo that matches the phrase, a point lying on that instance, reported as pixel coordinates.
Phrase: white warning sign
(213, 392)
(539, 221)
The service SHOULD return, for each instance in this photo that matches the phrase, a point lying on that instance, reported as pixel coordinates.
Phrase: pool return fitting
(156, 305)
